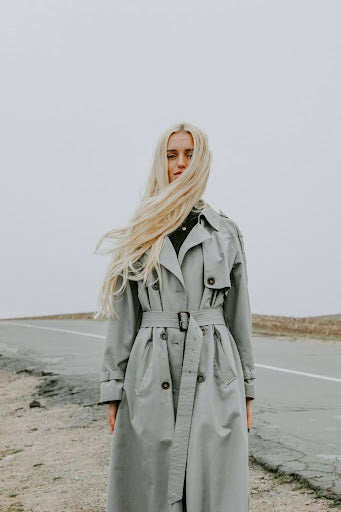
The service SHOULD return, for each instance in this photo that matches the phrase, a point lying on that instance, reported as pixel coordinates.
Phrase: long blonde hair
(162, 208)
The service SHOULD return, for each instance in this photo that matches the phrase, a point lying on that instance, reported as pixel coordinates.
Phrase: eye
(170, 156)
(190, 155)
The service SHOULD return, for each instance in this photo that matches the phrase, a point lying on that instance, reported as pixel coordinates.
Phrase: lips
(176, 173)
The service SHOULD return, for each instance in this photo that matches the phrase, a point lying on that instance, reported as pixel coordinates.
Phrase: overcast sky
(87, 88)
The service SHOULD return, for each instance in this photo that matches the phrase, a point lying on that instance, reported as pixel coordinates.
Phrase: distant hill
(324, 326)
(61, 316)
(335, 317)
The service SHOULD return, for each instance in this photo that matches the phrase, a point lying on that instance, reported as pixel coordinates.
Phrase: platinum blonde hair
(162, 208)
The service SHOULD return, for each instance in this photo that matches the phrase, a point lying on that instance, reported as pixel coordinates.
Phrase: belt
(189, 321)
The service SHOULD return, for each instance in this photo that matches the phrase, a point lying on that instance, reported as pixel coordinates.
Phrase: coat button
(204, 329)
(200, 378)
(211, 280)
(155, 286)
(164, 335)
(165, 385)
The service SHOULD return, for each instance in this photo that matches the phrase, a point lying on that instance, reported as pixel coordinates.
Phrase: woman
(178, 369)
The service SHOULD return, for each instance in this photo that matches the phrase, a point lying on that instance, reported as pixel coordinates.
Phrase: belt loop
(182, 327)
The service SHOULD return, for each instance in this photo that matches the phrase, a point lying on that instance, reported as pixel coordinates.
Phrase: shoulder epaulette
(222, 214)
(233, 223)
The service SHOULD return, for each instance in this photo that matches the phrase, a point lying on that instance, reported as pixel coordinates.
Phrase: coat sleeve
(121, 333)
(237, 311)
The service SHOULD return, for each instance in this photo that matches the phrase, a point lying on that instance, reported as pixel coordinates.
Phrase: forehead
(180, 140)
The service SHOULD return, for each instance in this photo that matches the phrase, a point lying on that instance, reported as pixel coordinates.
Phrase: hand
(112, 410)
(249, 412)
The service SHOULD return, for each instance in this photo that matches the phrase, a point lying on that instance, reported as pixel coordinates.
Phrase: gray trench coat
(180, 360)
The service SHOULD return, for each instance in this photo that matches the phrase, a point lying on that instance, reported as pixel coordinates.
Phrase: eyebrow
(189, 149)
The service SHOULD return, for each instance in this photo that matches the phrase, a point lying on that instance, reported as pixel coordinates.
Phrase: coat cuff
(111, 385)
(249, 373)
(249, 388)
(110, 390)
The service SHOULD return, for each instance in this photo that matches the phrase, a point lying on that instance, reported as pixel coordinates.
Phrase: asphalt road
(296, 414)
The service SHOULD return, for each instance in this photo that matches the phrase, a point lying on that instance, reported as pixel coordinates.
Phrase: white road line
(315, 375)
(277, 368)
(53, 329)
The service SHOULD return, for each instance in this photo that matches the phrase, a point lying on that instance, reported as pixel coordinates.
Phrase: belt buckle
(182, 328)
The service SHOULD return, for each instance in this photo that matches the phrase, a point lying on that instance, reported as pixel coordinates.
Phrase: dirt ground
(55, 458)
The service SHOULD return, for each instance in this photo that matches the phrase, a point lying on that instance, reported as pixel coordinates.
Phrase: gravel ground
(55, 458)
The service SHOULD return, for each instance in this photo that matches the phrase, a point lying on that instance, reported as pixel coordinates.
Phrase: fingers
(249, 414)
(112, 416)
(249, 419)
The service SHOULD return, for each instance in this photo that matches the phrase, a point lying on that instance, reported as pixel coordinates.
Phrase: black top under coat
(178, 236)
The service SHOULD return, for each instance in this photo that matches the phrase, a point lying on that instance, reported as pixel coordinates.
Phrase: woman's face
(179, 153)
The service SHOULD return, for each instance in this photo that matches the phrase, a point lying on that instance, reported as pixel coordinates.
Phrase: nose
(181, 161)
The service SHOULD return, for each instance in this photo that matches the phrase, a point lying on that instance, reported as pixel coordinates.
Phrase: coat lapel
(198, 234)
(169, 259)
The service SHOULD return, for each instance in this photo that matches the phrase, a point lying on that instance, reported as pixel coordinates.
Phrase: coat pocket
(223, 367)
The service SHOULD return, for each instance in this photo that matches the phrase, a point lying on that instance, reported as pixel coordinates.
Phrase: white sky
(88, 87)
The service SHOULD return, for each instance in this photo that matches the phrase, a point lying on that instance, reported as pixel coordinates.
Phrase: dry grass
(324, 327)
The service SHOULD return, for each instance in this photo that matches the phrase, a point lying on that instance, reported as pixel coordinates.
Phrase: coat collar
(198, 234)
(212, 216)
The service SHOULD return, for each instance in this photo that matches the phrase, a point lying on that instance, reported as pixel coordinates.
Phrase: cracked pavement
(297, 418)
